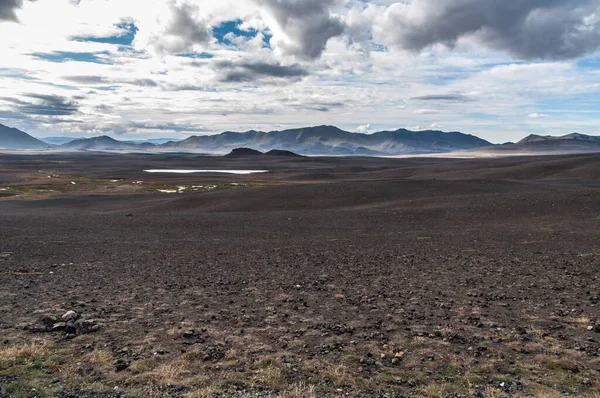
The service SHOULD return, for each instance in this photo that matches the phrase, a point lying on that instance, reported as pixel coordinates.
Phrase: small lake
(207, 171)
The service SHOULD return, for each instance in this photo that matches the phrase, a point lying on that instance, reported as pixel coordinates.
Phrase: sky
(137, 69)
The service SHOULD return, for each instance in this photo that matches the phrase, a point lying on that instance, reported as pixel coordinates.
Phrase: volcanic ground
(325, 277)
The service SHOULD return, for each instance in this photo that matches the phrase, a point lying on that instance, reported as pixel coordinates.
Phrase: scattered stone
(188, 334)
(457, 339)
(121, 365)
(71, 325)
(213, 353)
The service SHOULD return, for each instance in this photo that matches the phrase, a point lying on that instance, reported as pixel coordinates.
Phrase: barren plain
(325, 277)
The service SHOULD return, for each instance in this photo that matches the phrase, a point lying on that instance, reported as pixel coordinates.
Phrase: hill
(247, 152)
(243, 152)
(105, 143)
(330, 140)
(12, 138)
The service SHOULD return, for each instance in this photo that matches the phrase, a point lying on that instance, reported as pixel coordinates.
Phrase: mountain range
(319, 140)
(570, 143)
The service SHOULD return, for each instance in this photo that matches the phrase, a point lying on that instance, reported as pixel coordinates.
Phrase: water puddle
(207, 171)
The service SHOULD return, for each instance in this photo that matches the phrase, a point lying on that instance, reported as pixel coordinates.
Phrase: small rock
(82, 326)
(70, 327)
(70, 316)
(58, 327)
(121, 365)
(190, 333)
(587, 382)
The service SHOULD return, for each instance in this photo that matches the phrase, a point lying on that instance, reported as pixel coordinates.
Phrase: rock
(188, 334)
(121, 365)
(70, 327)
(521, 330)
(82, 326)
(587, 382)
(597, 328)
(70, 316)
(58, 327)
(457, 339)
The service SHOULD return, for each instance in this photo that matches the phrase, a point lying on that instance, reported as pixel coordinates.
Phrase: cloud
(443, 98)
(425, 111)
(86, 79)
(48, 105)
(537, 115)
(436, 126)
(527, 29)
(181, 33)
(176, 127)
(249, 72)
(363, 129)
(7, 9)
(301, 28)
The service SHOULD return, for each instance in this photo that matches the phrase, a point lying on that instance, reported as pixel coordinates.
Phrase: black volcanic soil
(326, 277)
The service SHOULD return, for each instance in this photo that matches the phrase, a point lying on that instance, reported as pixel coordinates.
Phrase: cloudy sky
(500, 69)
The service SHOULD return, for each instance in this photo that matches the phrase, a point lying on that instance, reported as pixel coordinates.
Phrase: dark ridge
(243, 152)
(279, 152)
(12, 138)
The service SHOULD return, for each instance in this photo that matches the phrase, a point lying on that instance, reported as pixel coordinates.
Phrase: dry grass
(25, 353)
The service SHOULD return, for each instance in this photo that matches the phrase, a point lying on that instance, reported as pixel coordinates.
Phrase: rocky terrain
(326, 277)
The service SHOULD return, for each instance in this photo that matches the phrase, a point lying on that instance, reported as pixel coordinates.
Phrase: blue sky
(144, 69)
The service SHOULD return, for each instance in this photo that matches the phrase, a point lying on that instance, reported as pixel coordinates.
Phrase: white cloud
(365, 128)
(537, 115)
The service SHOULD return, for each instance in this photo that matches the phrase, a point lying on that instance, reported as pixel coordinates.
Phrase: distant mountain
(106, 143)
(329, 140)
(11, 138)
(570, 143)
(155, 141)
(58, 140)
(320, 140)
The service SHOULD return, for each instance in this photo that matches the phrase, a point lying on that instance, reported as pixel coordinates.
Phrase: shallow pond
(207, 171)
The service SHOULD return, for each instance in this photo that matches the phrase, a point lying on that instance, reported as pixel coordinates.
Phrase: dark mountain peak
(581, 137)
(534, 138)
(243, 152)
(12, 138)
